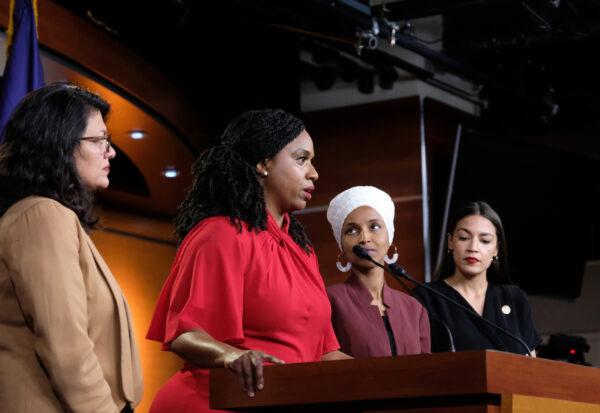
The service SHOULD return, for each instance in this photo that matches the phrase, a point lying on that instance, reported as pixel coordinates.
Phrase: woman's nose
(473, 245)
(111, 152)
(364, 237)
(313, 175)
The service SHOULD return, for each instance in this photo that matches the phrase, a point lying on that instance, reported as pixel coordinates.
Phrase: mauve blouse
(360, 329)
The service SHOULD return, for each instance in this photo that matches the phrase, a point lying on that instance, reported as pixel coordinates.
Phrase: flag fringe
(11, 26)
(11, 29)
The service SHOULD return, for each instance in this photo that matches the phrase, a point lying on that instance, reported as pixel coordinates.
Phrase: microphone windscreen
(361, 252)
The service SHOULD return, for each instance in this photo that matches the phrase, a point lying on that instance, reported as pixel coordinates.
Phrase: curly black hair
(225, 181)
(37, 154)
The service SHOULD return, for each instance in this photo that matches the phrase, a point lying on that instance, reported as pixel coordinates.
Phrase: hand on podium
(248, 366)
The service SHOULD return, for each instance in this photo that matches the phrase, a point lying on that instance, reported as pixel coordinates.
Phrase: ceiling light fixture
(138, 134)
(170, 172)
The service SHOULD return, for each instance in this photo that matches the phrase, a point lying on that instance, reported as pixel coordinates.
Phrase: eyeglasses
(105, 140)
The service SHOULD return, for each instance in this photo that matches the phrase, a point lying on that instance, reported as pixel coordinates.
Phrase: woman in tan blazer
(66, 336)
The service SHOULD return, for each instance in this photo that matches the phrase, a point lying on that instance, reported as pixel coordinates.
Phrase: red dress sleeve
(205, 288)
(330, 342)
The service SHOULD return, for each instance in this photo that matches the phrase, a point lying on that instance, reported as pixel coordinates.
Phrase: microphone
(432, 317)
(397, 270)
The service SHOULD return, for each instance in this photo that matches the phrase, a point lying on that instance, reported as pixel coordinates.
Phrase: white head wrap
(346, 202)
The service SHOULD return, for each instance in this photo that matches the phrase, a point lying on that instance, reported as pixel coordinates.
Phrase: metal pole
(425, 192)
(449, 190)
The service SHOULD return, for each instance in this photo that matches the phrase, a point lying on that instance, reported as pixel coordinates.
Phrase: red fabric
(257, 291)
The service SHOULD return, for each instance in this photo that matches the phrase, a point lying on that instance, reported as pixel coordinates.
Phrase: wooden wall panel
(375, 144)
(441, 123)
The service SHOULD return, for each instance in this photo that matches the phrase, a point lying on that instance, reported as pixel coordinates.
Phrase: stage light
(366, 82)
(324, 77)
(565, 348)
(348, 70)
(387, 77)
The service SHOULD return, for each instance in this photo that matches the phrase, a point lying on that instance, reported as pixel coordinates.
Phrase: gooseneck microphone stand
(397, 270)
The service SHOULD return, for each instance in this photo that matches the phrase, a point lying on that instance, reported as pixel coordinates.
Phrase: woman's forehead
(361, 214)
(476, 224)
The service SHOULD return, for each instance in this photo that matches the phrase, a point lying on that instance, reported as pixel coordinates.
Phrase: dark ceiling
(535, 153)
(535, 60)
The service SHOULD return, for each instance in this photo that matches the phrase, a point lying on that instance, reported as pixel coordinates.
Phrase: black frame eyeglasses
(96, 139)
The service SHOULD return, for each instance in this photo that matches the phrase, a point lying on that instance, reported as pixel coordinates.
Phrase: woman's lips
(471, 260)
(308, 192)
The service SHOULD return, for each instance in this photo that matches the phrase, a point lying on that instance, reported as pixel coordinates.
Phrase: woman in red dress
(245, 286)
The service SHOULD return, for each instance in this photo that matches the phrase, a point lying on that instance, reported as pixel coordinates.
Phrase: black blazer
(505, 305)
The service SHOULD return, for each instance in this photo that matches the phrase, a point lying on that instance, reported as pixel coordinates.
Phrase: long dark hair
(498, 271)
(225, 179)
(37, 156)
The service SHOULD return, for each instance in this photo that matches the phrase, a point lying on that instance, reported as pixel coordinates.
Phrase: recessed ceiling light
(170, 172)
(138, 134)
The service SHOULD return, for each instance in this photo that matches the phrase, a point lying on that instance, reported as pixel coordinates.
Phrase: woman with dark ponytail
(245, 287)
(475, 273)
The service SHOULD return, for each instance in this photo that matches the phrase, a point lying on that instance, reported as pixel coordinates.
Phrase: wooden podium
(465, 382)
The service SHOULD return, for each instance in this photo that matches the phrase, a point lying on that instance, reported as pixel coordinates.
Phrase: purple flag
(23, 72)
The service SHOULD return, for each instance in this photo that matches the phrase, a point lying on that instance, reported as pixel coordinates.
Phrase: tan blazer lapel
(130, 367)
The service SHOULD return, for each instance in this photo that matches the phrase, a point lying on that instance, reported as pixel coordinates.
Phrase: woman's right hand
(248, 366)
(197, 347)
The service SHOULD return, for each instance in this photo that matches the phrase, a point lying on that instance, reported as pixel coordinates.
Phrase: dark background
(534, 154)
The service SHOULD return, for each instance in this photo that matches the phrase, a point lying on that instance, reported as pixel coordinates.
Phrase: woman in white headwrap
(369, 318)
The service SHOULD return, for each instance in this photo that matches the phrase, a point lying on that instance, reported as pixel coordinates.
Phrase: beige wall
(141, 267)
